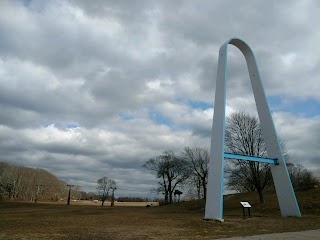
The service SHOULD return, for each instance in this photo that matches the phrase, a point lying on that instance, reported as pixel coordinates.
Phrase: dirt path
(312, 235)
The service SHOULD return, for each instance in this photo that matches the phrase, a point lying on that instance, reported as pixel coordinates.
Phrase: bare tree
(76, 192)
(28, 184)
(171, 172)
(197, 160)
(301, 178)
(104, 186)
(244, 136)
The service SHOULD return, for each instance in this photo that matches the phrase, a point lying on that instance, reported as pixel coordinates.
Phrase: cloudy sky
(96, 88)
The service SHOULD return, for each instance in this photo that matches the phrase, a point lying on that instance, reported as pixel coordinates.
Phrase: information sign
(245, 204)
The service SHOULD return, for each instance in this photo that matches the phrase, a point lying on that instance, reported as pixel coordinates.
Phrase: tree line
(243, 135)
(29, 184)
(35, 184)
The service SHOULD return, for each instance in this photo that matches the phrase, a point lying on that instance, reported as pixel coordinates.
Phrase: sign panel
(245, 204)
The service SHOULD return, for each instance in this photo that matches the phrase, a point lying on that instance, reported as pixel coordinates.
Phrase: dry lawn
(177, 221)
(116, 204)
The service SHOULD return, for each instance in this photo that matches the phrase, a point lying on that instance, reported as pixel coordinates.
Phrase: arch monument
(285, 193)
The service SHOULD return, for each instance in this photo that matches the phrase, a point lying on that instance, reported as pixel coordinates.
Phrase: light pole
(70, 186)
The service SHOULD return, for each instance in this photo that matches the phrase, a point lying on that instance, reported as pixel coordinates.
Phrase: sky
(96, 88)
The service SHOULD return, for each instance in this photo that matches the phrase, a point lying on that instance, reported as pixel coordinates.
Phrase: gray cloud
(97, 88)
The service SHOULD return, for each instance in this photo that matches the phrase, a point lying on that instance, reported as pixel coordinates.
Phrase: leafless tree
(244, 136)
(301, 178)
(29, 184)
(104, 186)
(170, 170)
(197, 160)
(76, 192)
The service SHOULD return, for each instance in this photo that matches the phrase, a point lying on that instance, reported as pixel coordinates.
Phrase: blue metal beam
(249, 158)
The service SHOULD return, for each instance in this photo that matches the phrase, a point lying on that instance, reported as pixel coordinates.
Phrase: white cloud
(302, 137)
(114, 69)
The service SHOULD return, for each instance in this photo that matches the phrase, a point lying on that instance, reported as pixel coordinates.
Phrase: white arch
(214, 202)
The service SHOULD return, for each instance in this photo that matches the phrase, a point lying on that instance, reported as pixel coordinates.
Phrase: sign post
(245, 205)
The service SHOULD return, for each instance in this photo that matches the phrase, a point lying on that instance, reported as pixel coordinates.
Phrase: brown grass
(177, 221)
(116, 204)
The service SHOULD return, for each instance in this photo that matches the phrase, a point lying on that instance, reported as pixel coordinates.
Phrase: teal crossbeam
(250, 158)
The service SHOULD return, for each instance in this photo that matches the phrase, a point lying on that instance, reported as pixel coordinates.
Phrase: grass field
(116, 204)
(177, 221)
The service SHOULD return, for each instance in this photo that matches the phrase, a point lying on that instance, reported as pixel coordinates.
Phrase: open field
(177, 221)
(116, 204)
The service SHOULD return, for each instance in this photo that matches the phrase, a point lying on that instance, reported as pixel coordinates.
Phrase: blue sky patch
(307, 108)
(125, 117)
(199, 104)
(162, 120)
(71, 125)
(159, 118)
(61, 125)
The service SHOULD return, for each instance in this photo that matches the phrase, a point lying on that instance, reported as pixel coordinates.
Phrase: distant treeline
(132, 199)
(29, 184)
(35, 184)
